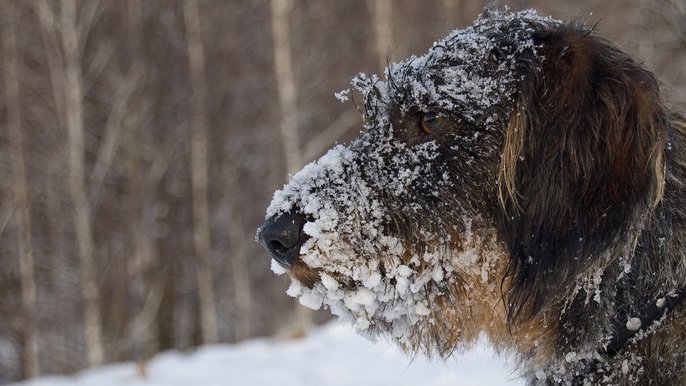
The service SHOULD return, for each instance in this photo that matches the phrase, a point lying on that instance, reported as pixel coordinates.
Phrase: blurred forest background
(141, 140)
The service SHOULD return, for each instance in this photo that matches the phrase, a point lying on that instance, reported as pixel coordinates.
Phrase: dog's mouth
(308, 277)
(310, 255)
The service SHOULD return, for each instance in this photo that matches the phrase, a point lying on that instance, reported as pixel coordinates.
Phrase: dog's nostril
(276, 246)
(282, 237)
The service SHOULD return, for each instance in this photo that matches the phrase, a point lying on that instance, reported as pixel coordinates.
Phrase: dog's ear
(582, 163)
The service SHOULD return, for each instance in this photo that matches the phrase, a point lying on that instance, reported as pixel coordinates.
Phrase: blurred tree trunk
(382, 16)
(145, 278)
(287, 94)
(286, 87)
(71, 34)
(454, 11)
(199, 166)
(20, 194)
(239, 273)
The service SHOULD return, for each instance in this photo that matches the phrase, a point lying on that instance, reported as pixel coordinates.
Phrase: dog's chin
(308, 277)
(303, 274)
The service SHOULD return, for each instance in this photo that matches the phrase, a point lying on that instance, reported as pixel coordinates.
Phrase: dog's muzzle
(282, 236)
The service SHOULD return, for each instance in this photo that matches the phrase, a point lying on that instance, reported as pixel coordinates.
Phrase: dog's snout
(282, 236)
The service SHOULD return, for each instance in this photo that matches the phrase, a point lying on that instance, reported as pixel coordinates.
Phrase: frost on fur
(382, 259)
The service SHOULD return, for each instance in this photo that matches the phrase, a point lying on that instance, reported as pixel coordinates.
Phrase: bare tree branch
(6, 213)
(124, 88)
(53, 54)
(90, 12)
(94, 69)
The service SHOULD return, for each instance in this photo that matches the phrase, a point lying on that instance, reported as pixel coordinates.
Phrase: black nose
(282, 237)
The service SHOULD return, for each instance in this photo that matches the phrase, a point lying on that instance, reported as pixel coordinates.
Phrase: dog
(523, 180)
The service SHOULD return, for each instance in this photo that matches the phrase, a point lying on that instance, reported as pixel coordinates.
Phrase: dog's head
(498, 166)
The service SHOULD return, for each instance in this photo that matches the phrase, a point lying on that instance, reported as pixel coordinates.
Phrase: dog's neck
(661, 253)
(644, 321)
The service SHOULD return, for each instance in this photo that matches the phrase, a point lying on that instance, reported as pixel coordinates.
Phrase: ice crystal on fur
(350, 183)
(471, 71)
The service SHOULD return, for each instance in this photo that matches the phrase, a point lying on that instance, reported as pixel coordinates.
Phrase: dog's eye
(429, 122)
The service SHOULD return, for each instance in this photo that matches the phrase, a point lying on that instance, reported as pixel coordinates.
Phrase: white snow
(277, 268)
(633, 324)
(660, 303)
(332, 355)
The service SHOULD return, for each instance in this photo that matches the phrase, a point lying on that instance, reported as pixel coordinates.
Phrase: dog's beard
(367, 274)
(394, 292)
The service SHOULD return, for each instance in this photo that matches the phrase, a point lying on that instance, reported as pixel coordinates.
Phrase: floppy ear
(582, 163)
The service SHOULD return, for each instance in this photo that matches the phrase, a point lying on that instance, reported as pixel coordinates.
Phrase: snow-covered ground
(332, 355)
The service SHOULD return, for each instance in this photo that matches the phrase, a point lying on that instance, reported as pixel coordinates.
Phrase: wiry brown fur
(592, 177)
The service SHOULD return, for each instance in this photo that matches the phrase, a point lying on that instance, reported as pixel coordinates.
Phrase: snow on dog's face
(399, 220)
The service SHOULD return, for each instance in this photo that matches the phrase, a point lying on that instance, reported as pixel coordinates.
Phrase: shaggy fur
(571, 205)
